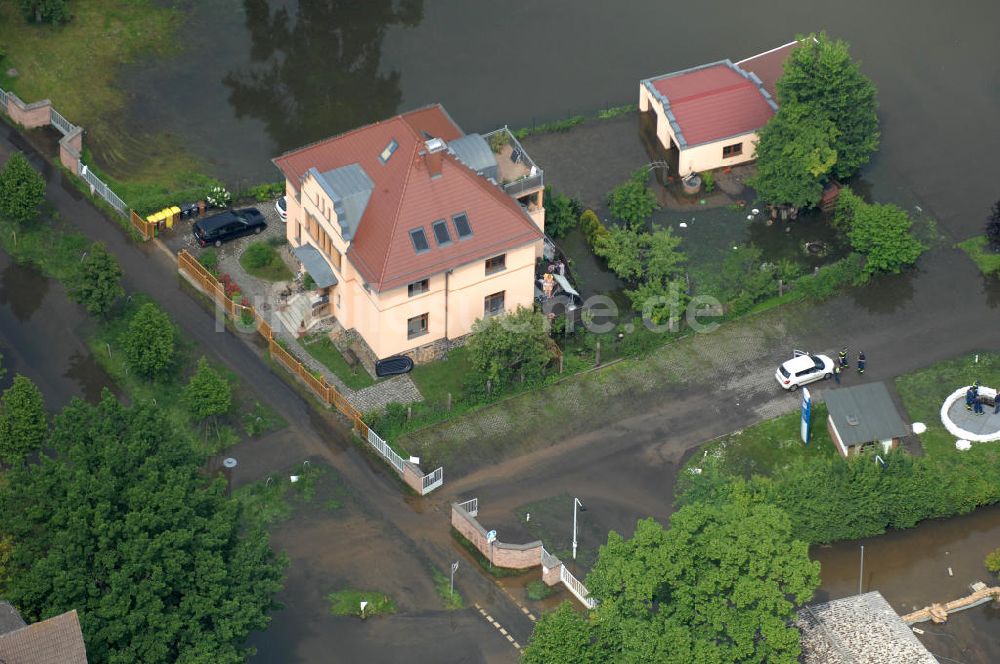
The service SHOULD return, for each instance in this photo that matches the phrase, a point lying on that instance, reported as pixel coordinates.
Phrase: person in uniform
(861, 362)
(843, 357)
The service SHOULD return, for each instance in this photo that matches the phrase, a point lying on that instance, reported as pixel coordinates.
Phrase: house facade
(709, 115)
(413, 230)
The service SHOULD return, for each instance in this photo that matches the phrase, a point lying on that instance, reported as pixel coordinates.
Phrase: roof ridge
(743, 83)
(399, 205)
(770, 50)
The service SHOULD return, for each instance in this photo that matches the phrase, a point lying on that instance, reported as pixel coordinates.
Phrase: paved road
(416, 530)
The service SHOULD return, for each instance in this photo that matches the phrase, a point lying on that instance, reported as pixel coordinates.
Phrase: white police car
(803, 369)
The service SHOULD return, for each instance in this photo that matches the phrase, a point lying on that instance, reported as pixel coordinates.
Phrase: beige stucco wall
(698, 158)
(381, 317)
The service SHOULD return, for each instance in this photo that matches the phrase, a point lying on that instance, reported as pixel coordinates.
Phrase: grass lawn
(261, 260)
(979, 251)
(924, 391)
(322, 348)
(348, 603)
(764, 447)
(442, 583)
(76, 65)
(436, 379)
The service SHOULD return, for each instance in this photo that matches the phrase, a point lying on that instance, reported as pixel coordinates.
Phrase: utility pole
(861, 575)
(576, 503)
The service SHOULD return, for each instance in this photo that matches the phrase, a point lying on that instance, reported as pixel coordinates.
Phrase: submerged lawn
(979, 251)
(76, 65)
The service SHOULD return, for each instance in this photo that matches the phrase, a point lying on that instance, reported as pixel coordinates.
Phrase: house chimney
(434, 155)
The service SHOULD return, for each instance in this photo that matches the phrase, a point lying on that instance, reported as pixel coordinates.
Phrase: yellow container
(152, 218)
(175, 216)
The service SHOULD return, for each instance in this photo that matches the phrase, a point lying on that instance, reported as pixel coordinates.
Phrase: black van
(228, 225)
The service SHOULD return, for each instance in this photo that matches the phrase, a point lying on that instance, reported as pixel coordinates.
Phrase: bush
(881, 232)
(993, 561)
(632, 202)
(22, 190)
(561, 213)
(498, 140)
(592, 228)
(510, 346)
(830, 278)
(264, 192)
(209, 258)
(537, 590)
(46, 11)
(97, 281)
(258, 255)
(149, 341)
(709, 180)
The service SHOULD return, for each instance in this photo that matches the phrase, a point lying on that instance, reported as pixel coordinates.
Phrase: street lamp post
(576, 503)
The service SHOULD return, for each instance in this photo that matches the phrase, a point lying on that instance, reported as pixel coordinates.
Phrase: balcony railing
(518, 176)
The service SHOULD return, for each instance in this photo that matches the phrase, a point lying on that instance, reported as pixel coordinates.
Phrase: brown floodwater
(934, 562)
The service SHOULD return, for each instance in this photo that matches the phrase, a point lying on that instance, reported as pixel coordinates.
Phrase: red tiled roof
(769, 66)
(713, 102)
(405, 198)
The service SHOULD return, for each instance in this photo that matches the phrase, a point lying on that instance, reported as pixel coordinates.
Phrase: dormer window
(441, 234)
(387, 152)
(419, 239)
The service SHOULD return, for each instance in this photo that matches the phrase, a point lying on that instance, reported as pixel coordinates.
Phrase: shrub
(264, 192)
(831, 277)
(513, 345)
(258, 255)
(209, 258)
(498, 140)
(993, 561)
(22, 190)
(208, 393)
(881, 232)
(632, 202)
(561, 212)
(709, 180)
(149, 341)
(218, 196)
(616, 111)
(46, 11)
(537, 590)
(592, 228)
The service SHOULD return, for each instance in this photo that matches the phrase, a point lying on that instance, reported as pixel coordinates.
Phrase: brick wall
(37, 114)
(514, 556)
(70, 147)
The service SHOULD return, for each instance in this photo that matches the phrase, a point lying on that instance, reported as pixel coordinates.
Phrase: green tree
(97, 283)
(632, 202)
(721, 585)
(992, 561)
(633, 255)
(659, 300)
(122, 525)
(795, 154)
(562, 636)
(820, 77)
(23, 422)
(3, 369)
(509, 346)
(46, 11)
(562, 213)
(882, 232)
(148, 341)
(22, 190)
(208, 393)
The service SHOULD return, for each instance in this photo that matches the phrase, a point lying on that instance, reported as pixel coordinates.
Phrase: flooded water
(40, 337)
(276, 74)
(934, 562)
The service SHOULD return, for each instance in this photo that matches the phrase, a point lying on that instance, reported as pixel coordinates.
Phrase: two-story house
(413, 230)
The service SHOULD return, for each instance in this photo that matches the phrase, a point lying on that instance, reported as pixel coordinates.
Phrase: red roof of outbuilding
(712, 102)
(406, 197)
(769, 66)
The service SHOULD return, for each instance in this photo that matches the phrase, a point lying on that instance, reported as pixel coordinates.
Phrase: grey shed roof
(856, 629)
(349, 187)
(864, 414)
(473, 151)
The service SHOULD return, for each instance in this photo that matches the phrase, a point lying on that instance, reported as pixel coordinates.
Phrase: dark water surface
(257, 77)
(40, 337)
(910, 568)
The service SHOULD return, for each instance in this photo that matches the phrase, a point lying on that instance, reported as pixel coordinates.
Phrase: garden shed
(861, 417)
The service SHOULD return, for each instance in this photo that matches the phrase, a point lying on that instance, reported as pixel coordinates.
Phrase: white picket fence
(60, 123)
(471, 506)
(576, 587)
(4, 99)
(383, 448)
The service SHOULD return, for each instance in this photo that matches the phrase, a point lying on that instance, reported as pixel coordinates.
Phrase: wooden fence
(206, 281)
(144, 227)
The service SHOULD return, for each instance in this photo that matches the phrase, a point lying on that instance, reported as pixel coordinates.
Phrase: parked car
(228, 225)
(282, 207)
(802, 370)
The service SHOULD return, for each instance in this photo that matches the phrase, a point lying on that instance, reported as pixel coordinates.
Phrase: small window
(462, 227)
(419, 239)
(416, 326)
(387, 152)
(733, 150)
(441, 234)
(493, 304)
(418, 287)
(496, 264)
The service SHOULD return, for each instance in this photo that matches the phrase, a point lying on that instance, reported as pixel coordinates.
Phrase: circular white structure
(919, 428)
(959, 432)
